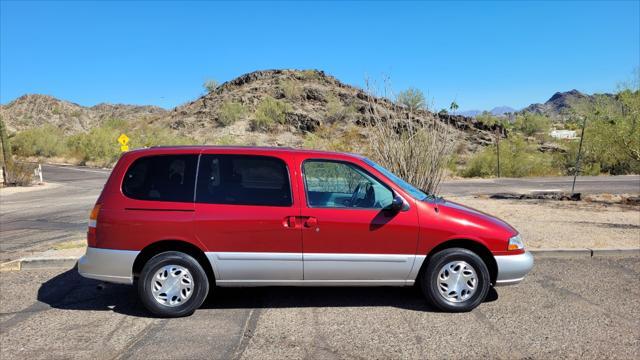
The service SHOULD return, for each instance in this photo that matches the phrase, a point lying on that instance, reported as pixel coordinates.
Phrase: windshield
(412, 190)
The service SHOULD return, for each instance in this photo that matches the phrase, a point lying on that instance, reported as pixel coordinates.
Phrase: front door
(244, 211)
(348, 236)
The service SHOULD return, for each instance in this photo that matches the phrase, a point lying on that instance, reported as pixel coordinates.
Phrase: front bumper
(115, 266)
(513, 268)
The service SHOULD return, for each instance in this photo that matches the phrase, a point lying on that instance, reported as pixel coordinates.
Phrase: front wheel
(173, 284)
(455, 280)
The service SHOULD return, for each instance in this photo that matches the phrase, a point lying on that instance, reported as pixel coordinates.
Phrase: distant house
(564, 134)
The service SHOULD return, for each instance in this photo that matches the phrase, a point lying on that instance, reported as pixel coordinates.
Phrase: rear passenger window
(243, 180)
(161, 178)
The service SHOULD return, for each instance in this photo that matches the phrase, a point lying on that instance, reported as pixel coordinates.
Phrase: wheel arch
(472, 245)
(173, 245)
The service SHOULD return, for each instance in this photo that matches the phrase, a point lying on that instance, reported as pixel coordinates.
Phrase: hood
(473, 215)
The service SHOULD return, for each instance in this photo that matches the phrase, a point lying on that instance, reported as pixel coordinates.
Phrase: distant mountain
(33, 110)
(497, 111)
(561, 104)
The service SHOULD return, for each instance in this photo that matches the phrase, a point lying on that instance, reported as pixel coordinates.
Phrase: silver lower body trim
(513, 268)
(115, 266)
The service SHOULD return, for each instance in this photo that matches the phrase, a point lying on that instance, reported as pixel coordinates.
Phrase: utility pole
(498, 148)
(577, 170)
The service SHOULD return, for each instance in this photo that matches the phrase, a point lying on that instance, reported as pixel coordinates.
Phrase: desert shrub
(337, 112)
(335, 138)
(412, 98)
(230, 112)
(291, 89)
(20, 174)
(517, 159)
(148, 136)
(530, 124)
(269, 113)
(210, 85)
(310, 74)
(45, 141)
(99, 146)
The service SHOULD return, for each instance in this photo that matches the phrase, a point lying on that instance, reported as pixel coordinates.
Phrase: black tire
(429, 280)
(198, 293)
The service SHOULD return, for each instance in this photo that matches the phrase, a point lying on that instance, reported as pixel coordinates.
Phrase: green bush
(230, 112)
(210, 85)
(412, 98)
(269, 113)
(337, 112)
(530, 124)
(291, 89)
(46, 141)
(517, 159)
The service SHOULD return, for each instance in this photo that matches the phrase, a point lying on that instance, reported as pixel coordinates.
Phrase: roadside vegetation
(611, 142)
(98, 147)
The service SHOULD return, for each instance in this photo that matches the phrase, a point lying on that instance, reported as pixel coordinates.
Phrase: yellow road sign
(124, 148)
(123, 140)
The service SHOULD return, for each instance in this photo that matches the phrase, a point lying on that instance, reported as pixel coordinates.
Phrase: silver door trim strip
(357, 257)
(257, 256)
(256, 283)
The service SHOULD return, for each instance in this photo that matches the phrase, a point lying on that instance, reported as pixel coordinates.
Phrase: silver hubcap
(172, 285)
(457, 281)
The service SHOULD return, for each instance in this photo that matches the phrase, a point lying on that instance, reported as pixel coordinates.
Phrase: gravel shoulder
(564, 224)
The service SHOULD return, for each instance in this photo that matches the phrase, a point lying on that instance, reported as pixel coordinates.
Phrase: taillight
(93, 217)
(93, 221)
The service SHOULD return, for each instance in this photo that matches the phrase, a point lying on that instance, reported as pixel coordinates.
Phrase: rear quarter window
(161, 178)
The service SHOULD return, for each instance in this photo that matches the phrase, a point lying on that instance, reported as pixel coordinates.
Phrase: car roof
(240, 150)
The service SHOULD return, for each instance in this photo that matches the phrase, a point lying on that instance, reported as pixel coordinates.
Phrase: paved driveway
(567, 307)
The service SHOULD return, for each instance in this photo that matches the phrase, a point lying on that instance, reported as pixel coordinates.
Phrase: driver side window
(332, 184)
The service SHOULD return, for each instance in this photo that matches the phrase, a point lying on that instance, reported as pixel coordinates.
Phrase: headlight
(516, 243)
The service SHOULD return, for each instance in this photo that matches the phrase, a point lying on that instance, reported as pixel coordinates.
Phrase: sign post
(123, 140)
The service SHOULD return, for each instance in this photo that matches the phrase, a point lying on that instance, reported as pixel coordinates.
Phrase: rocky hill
(560, 106)
(34, 110)
(319, 108)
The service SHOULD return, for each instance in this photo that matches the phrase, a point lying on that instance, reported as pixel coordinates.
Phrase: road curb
(585, 252)
(39, 263)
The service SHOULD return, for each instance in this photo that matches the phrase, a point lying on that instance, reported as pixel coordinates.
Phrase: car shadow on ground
(70, 291)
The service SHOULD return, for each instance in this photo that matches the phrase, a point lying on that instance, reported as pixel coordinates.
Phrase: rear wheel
(173, 284)
(455, 280)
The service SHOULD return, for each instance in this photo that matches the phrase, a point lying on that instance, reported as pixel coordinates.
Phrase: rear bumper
(115, 266)
(513, 268)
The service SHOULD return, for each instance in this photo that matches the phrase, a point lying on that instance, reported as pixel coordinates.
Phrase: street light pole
(577, 170)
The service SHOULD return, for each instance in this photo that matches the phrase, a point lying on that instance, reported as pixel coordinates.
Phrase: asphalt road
(626, 184)
(39, 218)
(34, 220)
(567, 307)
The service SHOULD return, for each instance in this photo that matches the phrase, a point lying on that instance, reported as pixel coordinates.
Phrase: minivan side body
(283, 217)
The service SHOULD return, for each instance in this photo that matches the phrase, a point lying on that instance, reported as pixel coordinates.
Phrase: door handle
(311, 222)
(290, 222)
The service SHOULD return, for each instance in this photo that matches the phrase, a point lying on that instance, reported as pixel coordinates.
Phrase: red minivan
(178, 221)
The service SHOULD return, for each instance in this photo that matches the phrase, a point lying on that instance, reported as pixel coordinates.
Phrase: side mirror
(397, 204)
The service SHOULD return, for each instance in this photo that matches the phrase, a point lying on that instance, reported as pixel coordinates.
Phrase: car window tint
(243, 180)
(341, 185)
(161, 178)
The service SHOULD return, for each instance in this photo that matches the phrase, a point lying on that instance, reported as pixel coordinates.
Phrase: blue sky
(482, 54)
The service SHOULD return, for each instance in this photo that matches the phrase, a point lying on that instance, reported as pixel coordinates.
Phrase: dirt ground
(565, 224)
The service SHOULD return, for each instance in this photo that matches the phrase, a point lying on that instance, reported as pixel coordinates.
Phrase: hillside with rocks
(34, 110)
(320, 111)
(317, 104)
